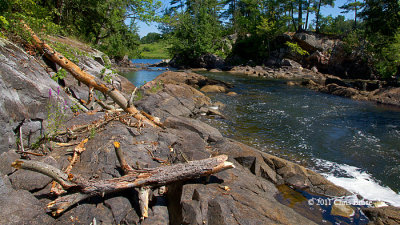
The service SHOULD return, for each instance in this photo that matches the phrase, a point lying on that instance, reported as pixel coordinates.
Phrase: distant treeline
(197, 27)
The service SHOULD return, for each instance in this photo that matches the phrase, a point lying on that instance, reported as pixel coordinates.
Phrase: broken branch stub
(121, 159)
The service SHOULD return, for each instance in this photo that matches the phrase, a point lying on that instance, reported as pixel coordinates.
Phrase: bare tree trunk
(60, 4)
(300, 19)
(317, 22)
(355, 15)
(293, 21)
(308, 12)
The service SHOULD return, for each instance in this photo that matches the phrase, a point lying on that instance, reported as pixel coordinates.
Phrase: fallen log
(88, 79)
(155, 177)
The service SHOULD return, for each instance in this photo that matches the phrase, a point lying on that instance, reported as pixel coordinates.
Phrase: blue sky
(144, 28)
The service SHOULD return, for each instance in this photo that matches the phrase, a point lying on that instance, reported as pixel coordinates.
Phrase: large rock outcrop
(27, 92)
(367, 90)
(209, 61)
(34, 103)
(325, 53)
(329, 55)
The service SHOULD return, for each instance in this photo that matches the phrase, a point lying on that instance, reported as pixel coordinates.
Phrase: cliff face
(329, 55)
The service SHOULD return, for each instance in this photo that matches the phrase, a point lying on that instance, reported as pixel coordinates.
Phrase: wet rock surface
(384, 215)
(366, 90)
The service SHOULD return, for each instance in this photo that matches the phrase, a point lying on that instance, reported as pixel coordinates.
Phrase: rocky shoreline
(329, 66)
(378, 91)
(244, 195)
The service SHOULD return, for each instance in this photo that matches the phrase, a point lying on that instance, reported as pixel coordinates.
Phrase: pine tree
(382, 16)
(320, 4)
(354, 6)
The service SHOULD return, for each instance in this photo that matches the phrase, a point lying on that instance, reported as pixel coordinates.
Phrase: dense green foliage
(102, 23)
(195, 30)
(155, 50)
(204, 26)
(382, 31)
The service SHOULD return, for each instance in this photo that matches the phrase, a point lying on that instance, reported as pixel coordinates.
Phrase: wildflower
(50, 93)
(58, 90)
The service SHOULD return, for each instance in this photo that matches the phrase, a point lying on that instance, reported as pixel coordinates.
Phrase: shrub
(295, 48)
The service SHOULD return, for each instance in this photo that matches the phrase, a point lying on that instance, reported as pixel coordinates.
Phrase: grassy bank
(156, 50)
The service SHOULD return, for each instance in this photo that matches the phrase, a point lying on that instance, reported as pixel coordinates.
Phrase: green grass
(157, 50)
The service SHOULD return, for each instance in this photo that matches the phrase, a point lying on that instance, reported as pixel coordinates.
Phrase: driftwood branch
(20, 139)
(57, 188)
(86, 127)
(134, 179)
(51, 171)
(104, 105)
(65, 202)
(130, 102)
(86, 78)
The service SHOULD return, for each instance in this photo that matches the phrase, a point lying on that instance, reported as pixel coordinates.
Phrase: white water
(358, 182)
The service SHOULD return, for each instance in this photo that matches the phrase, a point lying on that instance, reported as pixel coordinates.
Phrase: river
(354, 144)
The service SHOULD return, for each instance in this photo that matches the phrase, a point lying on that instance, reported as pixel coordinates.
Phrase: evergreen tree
(320, 4)
(354, 6)
(232, 13)
(382, 17)
(382, 23)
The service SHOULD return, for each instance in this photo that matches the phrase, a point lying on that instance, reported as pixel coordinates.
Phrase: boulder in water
(340, 208)
(213, 88)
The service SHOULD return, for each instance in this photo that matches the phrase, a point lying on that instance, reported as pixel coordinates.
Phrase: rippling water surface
(355, 144)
